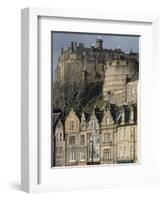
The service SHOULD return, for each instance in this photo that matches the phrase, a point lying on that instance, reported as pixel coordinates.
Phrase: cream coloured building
(107, 140)
(106, 134)
(83, 138)
(59, 143)
(107, 137)
(72, 130)
(93, 132)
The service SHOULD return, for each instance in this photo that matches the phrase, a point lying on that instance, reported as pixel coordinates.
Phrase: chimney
(75, 44)
(72, 46)
(62, 50)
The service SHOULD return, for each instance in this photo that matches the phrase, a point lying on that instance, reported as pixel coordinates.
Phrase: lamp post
(92, 149)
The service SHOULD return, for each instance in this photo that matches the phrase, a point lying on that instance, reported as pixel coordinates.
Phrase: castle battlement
(79, 63)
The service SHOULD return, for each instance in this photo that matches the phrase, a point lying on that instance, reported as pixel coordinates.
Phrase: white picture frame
(36, 174)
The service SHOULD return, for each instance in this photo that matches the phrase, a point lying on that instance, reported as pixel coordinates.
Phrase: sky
(63, 39)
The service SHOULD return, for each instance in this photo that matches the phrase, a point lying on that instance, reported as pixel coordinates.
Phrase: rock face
(76, 95)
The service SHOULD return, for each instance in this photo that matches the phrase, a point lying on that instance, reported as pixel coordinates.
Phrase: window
(72, 156)
(72, 140)
(82, 139)
(94, 125)
(106, 137)
(60, 136)
(82, 156)
(107, 121)
(107, 154)
(72, 125)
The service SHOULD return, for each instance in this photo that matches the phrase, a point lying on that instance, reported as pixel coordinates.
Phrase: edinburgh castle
(94, 98)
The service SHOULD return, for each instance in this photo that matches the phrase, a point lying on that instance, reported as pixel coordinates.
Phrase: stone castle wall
(79, 63)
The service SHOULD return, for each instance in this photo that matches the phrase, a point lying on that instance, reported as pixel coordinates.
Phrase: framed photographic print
(88, 86)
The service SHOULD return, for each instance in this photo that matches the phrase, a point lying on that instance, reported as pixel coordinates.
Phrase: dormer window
(107, 121)
(72, 125)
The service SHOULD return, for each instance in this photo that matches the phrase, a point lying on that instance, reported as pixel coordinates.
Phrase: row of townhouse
(109, 139)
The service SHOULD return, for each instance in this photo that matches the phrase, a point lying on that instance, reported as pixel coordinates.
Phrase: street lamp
(92, 149)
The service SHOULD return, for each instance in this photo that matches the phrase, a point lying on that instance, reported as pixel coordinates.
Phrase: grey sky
(60, 39)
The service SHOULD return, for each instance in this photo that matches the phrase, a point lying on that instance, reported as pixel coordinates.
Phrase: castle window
(72, 140)
(82, 139)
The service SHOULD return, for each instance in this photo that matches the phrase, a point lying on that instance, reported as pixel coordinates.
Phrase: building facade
(59, 143)
(72, 130)
(92, 141)
(107, 137)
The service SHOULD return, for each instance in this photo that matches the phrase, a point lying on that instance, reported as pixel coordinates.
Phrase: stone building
(72, 130)
(83, 141)
(126, 138)
(79, 63)
(93, 132)
(95, 140)
(106, 134)
(59, 143)
(117, 74)
(107, 137)
(132, 91)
